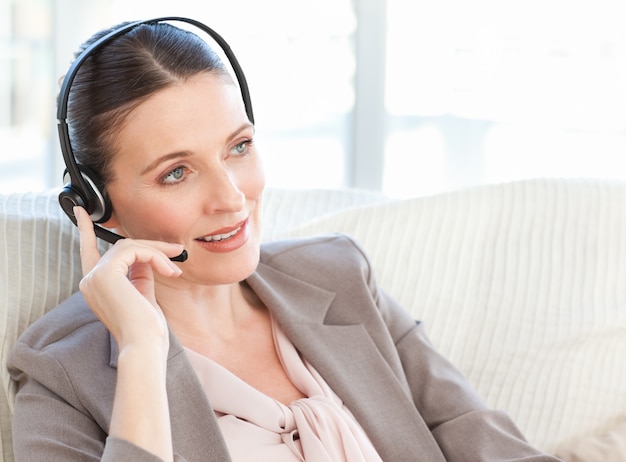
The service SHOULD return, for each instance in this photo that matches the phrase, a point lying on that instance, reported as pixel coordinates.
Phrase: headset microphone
(82, 187)
(105, 234)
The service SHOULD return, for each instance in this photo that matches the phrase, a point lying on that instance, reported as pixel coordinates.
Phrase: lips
(220, 237)
(225, 239)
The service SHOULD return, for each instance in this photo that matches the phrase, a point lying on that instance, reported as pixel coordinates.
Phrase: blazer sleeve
(465, 428)
(54, 421)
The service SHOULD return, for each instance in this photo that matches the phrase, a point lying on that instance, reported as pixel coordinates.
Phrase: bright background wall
(409, 96)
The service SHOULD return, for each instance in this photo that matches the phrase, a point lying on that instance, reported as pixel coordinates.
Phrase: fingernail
(76, 210)
(175, 269)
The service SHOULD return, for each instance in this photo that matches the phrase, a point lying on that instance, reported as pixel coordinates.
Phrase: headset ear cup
(98, 200)
(68, 199)
(95, 200)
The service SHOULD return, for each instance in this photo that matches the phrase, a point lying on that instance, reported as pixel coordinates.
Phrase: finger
(159, 261)
(168, 248)
(127, 262)
(89, 253)
(128, 252)
(142, 277)
(173, 251)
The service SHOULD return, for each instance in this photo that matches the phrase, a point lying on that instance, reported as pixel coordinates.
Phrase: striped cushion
(522, 286)
(39, 267)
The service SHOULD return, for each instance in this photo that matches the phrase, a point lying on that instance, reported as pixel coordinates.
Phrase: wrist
(141, 353)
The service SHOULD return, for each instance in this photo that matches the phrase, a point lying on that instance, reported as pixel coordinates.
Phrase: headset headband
(73, 70)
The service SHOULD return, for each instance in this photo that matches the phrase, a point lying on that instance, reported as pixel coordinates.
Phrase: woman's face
(186, 171)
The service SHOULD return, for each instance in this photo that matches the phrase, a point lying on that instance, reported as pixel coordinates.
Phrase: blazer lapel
(351, 364)
(195, 432)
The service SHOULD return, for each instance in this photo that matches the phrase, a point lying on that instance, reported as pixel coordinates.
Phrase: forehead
(204, 91)
(200, 111)
(206, 100)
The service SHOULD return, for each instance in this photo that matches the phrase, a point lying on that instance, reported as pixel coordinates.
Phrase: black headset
(82, 187)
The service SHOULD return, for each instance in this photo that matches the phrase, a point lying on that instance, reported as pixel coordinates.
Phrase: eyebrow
(167, 157)
(184, 154)
(243, 127)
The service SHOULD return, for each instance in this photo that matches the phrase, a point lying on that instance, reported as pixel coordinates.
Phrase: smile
(226, 239)
(220, 237)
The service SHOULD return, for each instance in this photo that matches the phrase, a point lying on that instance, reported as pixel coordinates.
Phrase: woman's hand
(119, 288)
(119, 285)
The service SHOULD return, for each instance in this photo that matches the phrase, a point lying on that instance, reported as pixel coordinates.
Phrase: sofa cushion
(521, 285)
(39, 267)
(609, 446)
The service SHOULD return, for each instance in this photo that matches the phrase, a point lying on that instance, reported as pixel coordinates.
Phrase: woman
(284, 352)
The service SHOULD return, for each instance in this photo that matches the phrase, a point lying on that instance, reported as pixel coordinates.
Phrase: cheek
(254, 182)
(151, 218)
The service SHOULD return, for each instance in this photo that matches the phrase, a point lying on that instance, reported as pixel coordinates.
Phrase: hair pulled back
(120, 75)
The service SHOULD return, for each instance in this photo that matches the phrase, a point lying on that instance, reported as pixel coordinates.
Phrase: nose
(223, 194)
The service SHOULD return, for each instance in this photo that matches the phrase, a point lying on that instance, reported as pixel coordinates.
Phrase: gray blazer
(412, 403)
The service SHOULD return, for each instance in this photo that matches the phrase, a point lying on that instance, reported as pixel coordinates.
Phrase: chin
(229, 268)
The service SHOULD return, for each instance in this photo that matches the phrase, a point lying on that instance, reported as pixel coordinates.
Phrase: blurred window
(408, 96)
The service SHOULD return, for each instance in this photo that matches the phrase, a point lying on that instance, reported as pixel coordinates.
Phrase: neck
(209, 312)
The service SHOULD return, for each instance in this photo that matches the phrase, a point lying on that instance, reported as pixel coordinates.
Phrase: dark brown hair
(120, 75)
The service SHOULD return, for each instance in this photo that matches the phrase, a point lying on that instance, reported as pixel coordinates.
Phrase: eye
(173, 176)
(241, 148)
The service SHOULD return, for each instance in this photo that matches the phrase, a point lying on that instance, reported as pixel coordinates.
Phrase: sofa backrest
(523, 287)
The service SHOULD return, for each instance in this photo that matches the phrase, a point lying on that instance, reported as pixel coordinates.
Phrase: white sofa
(522, 285)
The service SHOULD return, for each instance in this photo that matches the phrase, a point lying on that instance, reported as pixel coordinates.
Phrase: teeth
(220, 237)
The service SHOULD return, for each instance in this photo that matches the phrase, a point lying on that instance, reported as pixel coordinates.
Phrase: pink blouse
(318, 428)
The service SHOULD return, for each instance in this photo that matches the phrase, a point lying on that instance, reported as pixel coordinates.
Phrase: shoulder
(68, 336)
(64, 355)
(333, 252)
(335, 263)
